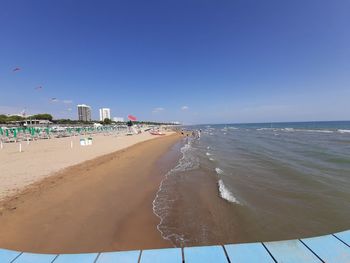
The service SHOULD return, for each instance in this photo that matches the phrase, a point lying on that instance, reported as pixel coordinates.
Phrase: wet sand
(104, 204)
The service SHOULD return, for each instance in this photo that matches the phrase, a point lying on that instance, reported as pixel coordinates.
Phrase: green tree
(43, 116)
(107, 121)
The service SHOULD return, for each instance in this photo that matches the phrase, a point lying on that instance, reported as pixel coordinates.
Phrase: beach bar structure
(333, 248)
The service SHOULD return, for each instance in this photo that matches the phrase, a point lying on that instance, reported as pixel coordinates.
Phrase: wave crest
(226, 194)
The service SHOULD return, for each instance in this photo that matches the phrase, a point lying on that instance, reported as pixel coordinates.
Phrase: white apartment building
(105, 113)
(84, 112)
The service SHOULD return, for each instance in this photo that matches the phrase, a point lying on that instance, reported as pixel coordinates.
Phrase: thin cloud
(159, 109)
(67, 101)
(184, 108)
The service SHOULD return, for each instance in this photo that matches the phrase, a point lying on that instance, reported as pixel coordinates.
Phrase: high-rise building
(84, 112)
(105, 113)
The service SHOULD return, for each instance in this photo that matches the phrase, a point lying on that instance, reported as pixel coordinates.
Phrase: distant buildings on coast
(105, 113)
(118, 119)
(84, 112)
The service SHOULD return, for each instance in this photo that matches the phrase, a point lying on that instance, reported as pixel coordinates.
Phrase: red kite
(132, 118)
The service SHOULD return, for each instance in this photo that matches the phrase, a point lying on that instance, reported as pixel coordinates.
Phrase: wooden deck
(330, 248)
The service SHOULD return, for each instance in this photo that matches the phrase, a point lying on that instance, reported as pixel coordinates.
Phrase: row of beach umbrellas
(14, 132)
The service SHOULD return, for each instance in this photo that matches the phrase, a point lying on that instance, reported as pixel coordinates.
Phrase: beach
(62, 200)
(42, 158)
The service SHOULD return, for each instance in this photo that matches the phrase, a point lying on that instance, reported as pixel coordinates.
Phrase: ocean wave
(265, 129)
(211, 159)
(219, 171)
(208, 154)
(321, 131)
(288, 129)
(344, 131)
(225, 193)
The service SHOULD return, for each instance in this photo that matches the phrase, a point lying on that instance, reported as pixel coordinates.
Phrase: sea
(257, 182)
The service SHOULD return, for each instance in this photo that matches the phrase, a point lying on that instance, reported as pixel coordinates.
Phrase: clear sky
(193, 61)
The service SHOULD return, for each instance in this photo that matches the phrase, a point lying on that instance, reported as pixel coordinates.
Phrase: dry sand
(40, 159)
(104, 204)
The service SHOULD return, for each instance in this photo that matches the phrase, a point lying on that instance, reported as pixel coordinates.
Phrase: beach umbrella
(132, 118)
(7, 132)
(15, 133)
(1, 131)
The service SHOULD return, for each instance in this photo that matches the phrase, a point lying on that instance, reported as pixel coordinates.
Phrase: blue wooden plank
(291, 251)
(166, 255)
(8, 255)
(35, 258)
(344, 236)
(329, 248)
(205, 254)
(248, 253)
(119, 257)
(73, 258)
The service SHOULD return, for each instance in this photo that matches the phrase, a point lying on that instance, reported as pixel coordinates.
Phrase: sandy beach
(102, 204)
(42, 158)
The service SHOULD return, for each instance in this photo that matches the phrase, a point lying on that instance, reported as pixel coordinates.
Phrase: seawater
(257, 182)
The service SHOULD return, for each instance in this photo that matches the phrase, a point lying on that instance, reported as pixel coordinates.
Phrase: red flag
(132, 118)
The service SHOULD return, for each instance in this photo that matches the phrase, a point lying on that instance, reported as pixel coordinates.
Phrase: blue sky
(190, 61)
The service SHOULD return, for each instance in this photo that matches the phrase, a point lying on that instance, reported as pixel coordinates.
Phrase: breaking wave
(225, 193)
(219, 171)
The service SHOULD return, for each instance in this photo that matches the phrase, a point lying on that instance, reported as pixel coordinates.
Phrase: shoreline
(103, 204)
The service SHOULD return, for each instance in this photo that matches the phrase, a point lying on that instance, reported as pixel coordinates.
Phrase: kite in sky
(39, 88)
(54, 99)
(16, 69)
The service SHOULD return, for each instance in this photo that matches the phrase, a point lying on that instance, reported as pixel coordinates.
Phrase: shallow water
(258, 182)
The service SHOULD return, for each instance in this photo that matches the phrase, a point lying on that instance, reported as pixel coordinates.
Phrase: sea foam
(162, 200)
(219, 171)
(344, 131)
(225, 193)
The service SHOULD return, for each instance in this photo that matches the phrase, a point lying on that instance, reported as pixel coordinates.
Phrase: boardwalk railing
(330, 248)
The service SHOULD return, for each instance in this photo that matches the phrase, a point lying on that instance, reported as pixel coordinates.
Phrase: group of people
(194, 133)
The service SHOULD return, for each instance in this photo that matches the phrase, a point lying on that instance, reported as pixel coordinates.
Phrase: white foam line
(184, 149)
(219, 171)
(226, 194)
